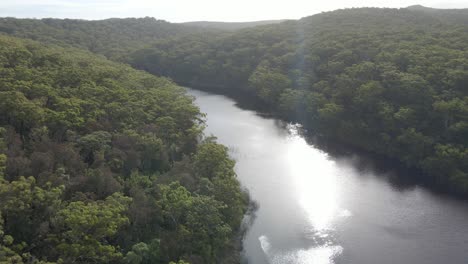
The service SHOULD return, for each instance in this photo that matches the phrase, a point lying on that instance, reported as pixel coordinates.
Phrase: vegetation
(112, 38)
(231, 25)
(389, 81)
(101, 163)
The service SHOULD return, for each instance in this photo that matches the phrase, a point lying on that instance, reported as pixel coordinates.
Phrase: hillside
(456, 16)
(101, 163)
(111, 37)
(389, 81)
(103, 158)
(231, 25)
(436, 10)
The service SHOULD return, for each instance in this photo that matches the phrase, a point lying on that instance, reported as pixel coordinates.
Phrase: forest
(102, 161)
(388, 81)
(110, 37)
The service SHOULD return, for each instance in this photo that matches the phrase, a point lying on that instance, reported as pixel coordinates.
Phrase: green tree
(27, 209)
(143, 253)
(268, 83)
(209, 232)
(212, 160)
(84, 230)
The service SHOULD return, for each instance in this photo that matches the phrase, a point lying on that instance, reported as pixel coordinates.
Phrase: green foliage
(205, 223)
(20, 112)
(91, 152)
(175, 201)
(113, 38)
(179, 262)
(84, 229)
(143, 253)
(268, 83)
(26, 206)
(196, 218)
(3, 159)
(7, 255)
(102, 163)
(25, 211)
(390, 81)
(212, 160)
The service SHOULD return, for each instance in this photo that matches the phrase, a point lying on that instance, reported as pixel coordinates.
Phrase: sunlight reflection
(317, 194)
(322, 254)
(315, 182)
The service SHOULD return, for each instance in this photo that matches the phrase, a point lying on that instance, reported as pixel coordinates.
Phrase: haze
(206, 10)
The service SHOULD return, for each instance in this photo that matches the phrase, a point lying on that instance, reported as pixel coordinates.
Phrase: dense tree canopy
(390, 81)
(111, 37)
(101, 163)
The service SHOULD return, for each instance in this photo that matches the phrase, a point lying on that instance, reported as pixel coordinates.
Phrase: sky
(198, 10)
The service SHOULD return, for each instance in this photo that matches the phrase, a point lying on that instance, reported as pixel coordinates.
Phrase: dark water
(320, 209)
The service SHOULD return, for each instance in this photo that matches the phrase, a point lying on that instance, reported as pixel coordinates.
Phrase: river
(317, 208)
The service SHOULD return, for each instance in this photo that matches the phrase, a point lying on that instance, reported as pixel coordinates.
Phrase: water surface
(322, 209)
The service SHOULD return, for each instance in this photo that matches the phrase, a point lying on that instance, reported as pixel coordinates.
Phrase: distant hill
(421, 8)
(110, 37)
(232, 25)
(431, 9)
(457, 16)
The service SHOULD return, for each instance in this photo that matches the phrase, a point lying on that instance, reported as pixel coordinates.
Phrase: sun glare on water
(315, 179)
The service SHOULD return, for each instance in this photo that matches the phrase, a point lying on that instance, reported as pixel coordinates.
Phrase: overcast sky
(196, 10)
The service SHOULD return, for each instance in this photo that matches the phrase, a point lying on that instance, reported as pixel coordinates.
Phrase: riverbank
(318, 207)
(336, 146)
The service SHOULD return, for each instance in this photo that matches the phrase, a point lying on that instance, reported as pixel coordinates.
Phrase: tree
(3, 159)
(19, 111)
(7, 255)
(268, 83)
(143, 253)
(212, 160)
(179, 262)
(76, 130)
(209, 232)
(175, 201)
(83, 230)
(27, 208)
